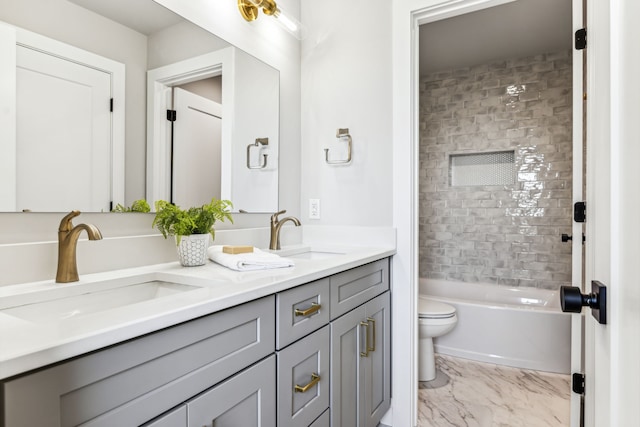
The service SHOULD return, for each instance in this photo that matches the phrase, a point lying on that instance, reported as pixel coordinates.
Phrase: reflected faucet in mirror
(67, 243)
(276, 225)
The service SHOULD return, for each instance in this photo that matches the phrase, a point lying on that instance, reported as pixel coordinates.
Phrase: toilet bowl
(435, 319)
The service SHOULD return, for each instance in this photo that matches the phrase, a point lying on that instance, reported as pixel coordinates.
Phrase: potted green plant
(191, 227)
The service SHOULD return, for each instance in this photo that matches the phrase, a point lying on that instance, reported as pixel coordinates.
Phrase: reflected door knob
(572, 300)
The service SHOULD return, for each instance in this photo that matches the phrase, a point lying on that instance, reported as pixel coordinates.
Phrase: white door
(61, 143)
(196, 149)
(613, 230)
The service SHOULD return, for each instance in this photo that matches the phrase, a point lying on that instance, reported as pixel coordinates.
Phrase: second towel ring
(340, 134)
(261, 143)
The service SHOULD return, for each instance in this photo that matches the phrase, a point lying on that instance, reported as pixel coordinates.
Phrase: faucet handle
(274, 217)
(65, 223)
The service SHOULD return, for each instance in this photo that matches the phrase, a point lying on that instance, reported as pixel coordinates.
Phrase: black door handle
(572, 300)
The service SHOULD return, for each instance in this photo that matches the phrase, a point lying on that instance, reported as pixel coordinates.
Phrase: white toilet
(435, 319)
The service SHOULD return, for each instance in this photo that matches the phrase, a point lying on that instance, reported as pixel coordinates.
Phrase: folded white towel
(256, 260)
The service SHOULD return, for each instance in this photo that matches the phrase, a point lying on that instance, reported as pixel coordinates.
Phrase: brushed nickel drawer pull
(315, 307)
(315, 379)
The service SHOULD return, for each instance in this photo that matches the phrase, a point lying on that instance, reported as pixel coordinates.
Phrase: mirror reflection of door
(63, 134)
(196, 145)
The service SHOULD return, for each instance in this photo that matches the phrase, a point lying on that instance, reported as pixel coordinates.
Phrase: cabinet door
(303, 380)
(361, 364)
(376, 384)
(346, 338)
(247, 399)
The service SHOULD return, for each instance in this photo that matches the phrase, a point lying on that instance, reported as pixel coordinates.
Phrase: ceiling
(144, 16)
(517, 29)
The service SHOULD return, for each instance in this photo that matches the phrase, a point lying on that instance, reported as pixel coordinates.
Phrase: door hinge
(580, 211)
(577, 383)
(581, 39)
(111, 105)
(171, 115)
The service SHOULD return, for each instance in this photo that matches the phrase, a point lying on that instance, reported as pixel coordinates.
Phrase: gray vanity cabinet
(133, 382)
(310, 356)
(360, 365)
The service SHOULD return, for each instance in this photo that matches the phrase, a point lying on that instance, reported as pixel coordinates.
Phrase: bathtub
(519, 327)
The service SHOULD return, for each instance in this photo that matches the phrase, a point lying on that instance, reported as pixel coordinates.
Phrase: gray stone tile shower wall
(508, 234)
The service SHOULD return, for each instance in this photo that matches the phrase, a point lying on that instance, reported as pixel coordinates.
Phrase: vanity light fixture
(249, 11)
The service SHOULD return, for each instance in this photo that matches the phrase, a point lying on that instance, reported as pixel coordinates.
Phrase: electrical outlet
(314, 208)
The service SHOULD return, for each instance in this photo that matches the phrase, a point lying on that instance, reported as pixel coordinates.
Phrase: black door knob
(572, 300)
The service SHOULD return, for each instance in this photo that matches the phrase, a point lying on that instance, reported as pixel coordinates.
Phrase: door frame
(159, 83)
(407, 16)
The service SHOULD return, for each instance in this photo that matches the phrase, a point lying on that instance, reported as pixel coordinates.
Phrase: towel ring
(340, 134)
(260, 143)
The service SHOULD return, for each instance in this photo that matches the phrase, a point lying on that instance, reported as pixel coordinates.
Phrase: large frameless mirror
(110, 102)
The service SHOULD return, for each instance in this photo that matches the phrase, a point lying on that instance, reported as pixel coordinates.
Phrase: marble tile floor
(475, 394)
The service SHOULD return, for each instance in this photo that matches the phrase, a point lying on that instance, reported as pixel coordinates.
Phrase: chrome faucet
(276, 225)
(67, 243)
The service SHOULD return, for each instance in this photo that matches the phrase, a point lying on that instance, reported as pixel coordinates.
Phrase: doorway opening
(499, 80)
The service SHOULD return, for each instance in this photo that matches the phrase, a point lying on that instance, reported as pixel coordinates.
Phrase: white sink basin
(314, 255)
(68, 307)
(307, 252)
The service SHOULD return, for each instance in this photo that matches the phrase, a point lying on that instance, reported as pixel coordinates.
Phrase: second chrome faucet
(276, 225)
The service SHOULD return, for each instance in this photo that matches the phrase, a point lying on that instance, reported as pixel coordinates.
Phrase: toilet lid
(434, 309)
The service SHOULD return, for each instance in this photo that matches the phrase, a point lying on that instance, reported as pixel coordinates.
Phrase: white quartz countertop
(27, 344)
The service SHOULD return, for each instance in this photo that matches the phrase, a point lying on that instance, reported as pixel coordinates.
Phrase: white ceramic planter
(192, 250)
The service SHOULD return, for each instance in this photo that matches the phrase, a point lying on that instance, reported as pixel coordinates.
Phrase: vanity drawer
(303, 380)
(133, 382)
(354, 287)
(300, 311)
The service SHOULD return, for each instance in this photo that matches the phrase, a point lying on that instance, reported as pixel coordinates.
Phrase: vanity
(306, 346)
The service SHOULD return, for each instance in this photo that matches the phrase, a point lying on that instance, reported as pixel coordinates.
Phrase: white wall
(346, 83)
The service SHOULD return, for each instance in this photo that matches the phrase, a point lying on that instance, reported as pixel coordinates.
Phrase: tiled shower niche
(507, 234)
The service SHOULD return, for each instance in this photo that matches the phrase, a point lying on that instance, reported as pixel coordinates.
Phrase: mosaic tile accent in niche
(507, 234)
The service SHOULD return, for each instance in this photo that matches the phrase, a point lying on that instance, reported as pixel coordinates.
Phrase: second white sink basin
(97, 301)
(307, 252)
(314, 255)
